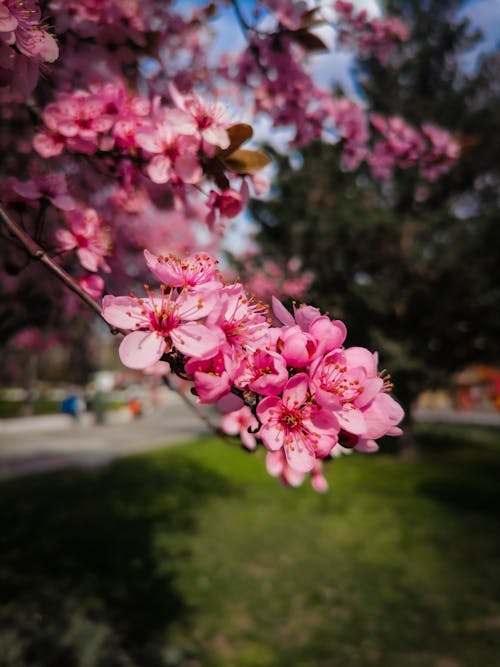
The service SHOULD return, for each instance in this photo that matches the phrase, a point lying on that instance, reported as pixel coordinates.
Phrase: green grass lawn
(193, 556)
(11, 409)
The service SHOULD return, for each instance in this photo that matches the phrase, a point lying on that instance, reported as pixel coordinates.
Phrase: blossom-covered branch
(293, 386)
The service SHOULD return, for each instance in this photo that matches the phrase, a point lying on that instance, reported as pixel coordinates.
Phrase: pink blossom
(318, 480)
(296, 346)
(277, 466)
(174, 153)
(93, 285)
(297, 425)
(326, 334)
(376, 37)
(195, 270)
(80, 118)
(210, 119)
(48, 144)
(243, 423)
(20, 26)
(51, 186)
(105, 20)
(213, 377)
(25, 45)
(264, 372)
(442, 153)
(228, 204)
(87, 235)
(351, 123)
(161, 323)
(381, 413)
(243, 322)
(289, 14)
(382, 417)
(128, 111)
(267, 279)
(339, 388)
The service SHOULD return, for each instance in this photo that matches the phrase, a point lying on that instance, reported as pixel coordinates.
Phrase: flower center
(291, 419)
(335, 380)
(163, 320)
(204, 121)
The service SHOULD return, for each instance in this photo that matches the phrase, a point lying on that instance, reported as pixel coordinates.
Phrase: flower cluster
(376, 37)
(298, 390)
(180, 145)
(25, 44)
(400, 145)
(265, 278)
(389, 142)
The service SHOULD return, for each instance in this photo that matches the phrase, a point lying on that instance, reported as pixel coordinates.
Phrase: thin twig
(245, 26)
(194, 408)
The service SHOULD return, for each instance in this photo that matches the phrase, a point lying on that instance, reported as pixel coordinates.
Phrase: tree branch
(194, 408)
(36, 251)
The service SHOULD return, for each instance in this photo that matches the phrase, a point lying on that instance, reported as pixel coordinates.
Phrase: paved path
(45, 443)
(35, 444)
(480, 418)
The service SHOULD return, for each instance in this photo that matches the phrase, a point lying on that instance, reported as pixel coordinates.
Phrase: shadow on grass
(466, 466)
(88, 558)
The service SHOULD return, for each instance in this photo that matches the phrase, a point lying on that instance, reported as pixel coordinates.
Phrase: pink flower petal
(63, 202)
(188, 168)
(8, 21)
(272, 436)
(248, 439)
(141, 349)
(360, 356)
(217, 136)
(269, 409)
(319, 483)
(281, 313)
(295, 391)
(367, 446)
(299, 457)
(211, 387)
(195, 305)
(329, 335)
(47, 145)
(196, 340)
(122, 311)
(66, 239)
(27, 189)
(275, 463)
(351, 420)
(88, 259)
(159, 169)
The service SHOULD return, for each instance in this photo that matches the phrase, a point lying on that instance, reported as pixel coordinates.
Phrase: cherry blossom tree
(124, 139)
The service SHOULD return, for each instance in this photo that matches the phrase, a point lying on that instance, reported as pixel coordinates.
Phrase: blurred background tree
(413, 266)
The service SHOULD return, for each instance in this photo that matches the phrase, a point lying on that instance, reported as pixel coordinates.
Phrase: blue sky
(483, 14)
